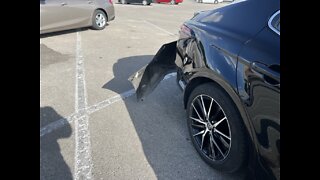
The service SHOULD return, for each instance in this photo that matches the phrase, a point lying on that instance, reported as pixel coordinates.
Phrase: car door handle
(90, 2)
(271, 74)
(63, 4)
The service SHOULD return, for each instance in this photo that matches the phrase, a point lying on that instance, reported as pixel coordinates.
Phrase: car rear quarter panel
(110, 12)
(211, 63)
(222, 33)
(106, 7)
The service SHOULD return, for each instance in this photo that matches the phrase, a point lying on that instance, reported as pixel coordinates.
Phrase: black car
(228, 65)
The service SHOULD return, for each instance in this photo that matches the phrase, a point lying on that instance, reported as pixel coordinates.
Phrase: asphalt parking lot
(91, 125)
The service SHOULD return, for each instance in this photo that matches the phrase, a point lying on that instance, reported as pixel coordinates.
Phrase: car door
(52, 15)
(258, 78)
(80, 12)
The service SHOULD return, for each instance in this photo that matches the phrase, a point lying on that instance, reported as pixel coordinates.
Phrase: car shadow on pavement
(134, 3)
(160, 122)
(49, 56)
(122, 69)
(52, 163)
(52, 34)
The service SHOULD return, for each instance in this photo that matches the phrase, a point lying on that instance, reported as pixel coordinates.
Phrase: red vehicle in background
(169, 1)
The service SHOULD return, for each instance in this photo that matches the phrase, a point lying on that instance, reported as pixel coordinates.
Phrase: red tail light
(110, 1)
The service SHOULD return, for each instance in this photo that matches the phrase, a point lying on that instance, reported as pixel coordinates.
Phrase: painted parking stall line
(83, 161)
(91, 109)
(159, 28)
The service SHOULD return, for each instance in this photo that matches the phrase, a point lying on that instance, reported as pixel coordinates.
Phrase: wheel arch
(105, 12)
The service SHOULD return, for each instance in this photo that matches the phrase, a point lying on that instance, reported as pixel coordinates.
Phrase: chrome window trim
(270, 25)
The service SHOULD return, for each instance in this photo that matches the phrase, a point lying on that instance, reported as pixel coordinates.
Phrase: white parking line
(91, 109)
(161, 29)
(149, 23)
(122, 96)
(83, 163)
(109, 101)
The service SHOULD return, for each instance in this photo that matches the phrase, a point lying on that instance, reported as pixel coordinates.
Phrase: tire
(99, 20)
(216, 2)
(144, 2)
(123, 2)
(172, 2)
(228, 155)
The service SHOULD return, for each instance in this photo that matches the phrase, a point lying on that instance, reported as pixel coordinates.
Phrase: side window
(274, 22)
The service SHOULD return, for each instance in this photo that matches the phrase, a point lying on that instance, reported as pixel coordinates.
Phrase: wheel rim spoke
(210, 108)
(224, 142)
(202, 139)
(200, 105)
(212, 147)
(219, 132)
(201, 132)
(214, 142)
(217, 123)
(197, 112)
(198, 126)
(198, 120)
(203, 107)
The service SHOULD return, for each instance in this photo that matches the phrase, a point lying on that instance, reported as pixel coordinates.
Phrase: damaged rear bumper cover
(147, 78)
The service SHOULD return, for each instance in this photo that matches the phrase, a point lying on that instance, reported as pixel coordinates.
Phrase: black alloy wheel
(216, 129)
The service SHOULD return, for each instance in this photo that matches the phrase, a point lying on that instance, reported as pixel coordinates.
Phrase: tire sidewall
(94, 24)
(238, 153)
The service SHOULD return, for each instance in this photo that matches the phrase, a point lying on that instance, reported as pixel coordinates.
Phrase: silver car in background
(58, 15)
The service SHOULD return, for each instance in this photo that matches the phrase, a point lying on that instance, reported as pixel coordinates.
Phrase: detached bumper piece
(148, 77)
